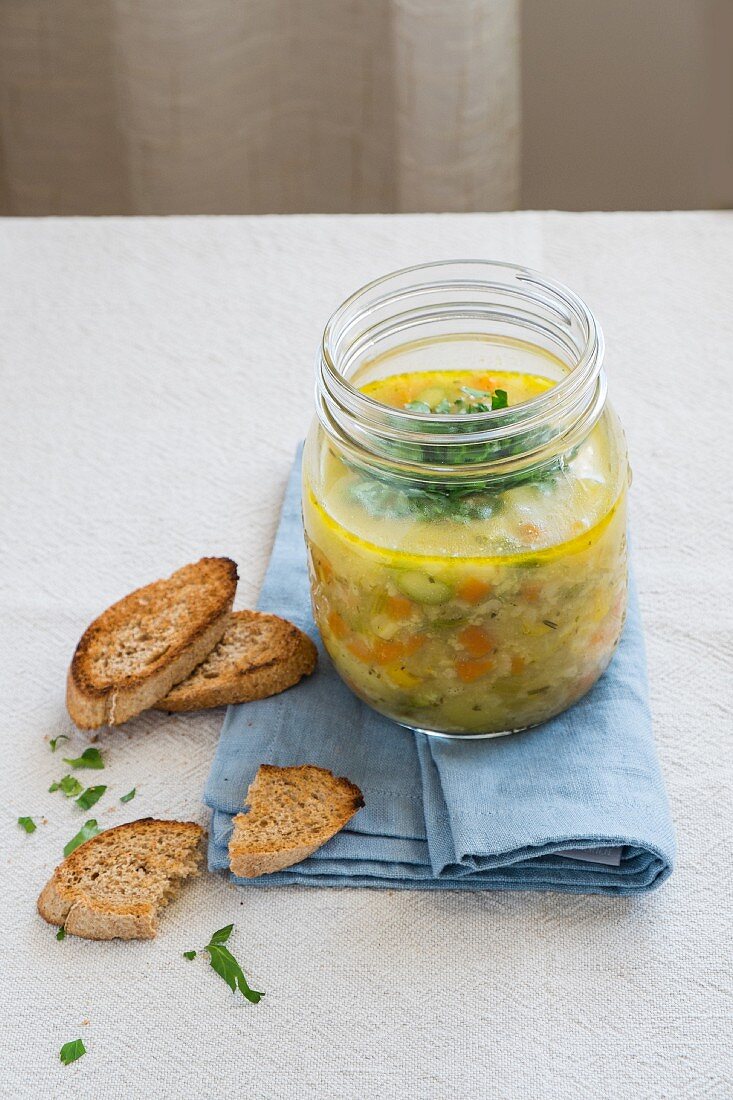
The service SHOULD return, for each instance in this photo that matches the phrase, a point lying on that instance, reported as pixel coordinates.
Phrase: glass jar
(464, 498)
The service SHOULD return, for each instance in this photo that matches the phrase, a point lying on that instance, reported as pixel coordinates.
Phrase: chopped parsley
(90, 758)
(129, 796)
(483, 401)
(222, 935)
(68, 785)
(71, 1052)
(61, 934)
(226, 966)
(465, 501)
(90, 796)
(88, 830)
(28, 824)
(380, 498)
(53, 743)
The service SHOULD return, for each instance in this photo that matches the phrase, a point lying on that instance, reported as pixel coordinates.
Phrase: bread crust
(254, 852)
(93, 700)
(247, 865)
(90, 921)
(258, 655)
(65, 904)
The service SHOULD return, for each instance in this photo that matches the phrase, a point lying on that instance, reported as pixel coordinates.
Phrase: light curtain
(256, 106)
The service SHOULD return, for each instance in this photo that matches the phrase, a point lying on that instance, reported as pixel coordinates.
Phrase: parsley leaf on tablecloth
(222, 935)
(226, 966)
(70, 1052)
(68, 785)
(90, 758)
(91, 795)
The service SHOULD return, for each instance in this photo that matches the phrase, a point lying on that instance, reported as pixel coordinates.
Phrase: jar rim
(582, 387)
(594, 349)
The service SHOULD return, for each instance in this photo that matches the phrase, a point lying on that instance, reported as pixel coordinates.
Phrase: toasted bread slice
(136, 650)
(114, 885)
(293, 811)
(259, 655)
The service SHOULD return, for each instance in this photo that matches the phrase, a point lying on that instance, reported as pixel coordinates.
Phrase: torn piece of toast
(259, 655)
(115, 885)
(293, 811)
(137, 649)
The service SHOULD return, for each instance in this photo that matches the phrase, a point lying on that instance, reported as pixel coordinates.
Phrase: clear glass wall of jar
(464, 498)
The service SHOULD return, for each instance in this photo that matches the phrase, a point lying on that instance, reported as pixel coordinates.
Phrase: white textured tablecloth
(156, 376)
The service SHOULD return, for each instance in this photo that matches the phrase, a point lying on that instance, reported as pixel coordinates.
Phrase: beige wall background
(255, 106)
(627, 104)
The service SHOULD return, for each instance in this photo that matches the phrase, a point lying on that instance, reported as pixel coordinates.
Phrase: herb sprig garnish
(129, 796)
(465, 502)
(28, 824)
(483, 401)
(54, 742)
(90, 758)
(388, 498)
(226, 966)
(71, 1052)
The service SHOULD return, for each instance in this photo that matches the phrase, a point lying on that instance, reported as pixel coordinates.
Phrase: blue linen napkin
(470, 815)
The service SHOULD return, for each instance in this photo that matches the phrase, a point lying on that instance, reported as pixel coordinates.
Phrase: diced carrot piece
(473, 590)
(484, 382)
(476, 641)
(359, 648)
(411, 645)
(396, 395)
(528, 532)
(468, 671)
(398, 607)
(518, 665)
(531, 592)
(619, 604)
(338, 626)
(387, 651)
